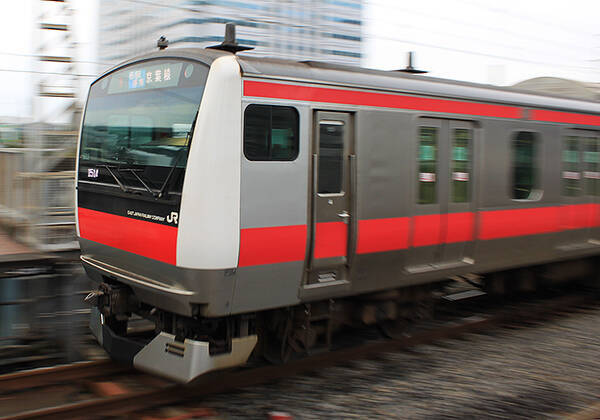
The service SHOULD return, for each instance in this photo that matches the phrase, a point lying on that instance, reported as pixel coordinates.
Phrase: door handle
(344, 215)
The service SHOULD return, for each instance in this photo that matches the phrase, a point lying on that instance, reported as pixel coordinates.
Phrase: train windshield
(138, 122)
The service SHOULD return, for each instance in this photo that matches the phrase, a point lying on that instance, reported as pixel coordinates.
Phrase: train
(249, 206)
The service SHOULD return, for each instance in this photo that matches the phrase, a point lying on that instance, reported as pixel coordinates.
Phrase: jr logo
(172, 218)
(92, 173)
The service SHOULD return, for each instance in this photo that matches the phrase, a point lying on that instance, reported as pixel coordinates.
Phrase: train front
(158, 212)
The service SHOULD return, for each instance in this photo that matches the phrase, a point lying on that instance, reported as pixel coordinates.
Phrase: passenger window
(570, 167)
(591, 165)
(427, 158)
(525, 177)
(271, 133)
(461, 165)
(331, 157)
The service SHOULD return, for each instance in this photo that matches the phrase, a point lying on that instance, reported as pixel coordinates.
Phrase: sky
(483, 41)
(497, 42)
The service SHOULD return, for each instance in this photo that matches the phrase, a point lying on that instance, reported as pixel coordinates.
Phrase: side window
(571, 185)
(461, 165)
(427, 165)
(525, 178)
(271, 133)
(591, 165)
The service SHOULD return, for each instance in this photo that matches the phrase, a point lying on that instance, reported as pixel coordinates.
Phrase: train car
(254, 205)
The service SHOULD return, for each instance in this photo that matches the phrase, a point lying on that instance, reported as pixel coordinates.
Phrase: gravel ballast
(545, 370)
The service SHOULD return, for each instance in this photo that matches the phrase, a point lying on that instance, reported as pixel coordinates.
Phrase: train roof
(393, 81)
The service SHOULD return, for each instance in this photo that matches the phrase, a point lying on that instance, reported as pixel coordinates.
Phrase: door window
(331, 157)
(591, 165)
(461, 165)
(571, 185)
(427, 156)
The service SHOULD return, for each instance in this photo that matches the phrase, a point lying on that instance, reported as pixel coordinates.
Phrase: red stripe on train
(563, 117)
(498, 224)
(579, 216)
(271, 245)
(376, 99)
(331, 240)
(378, 235)
(459, 227)
(148, 239)
(426, 230)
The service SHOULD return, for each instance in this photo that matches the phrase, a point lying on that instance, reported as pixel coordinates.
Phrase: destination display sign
(145, 77)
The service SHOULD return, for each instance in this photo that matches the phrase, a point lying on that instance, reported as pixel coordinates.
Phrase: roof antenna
(229, 43)
(162, 43)
(410, 68)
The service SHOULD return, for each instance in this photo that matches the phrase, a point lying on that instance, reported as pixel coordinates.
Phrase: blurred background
(52, 50)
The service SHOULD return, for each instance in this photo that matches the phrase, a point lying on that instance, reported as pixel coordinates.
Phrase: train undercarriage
(184, 348)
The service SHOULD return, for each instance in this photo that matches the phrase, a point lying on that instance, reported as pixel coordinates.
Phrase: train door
(331, 226)
(427, 216)
(580, 177)
(443, 222)
(591, 182)
(458, 222)
(574, 230)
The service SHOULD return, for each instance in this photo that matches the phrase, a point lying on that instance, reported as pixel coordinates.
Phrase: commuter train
(255, 205)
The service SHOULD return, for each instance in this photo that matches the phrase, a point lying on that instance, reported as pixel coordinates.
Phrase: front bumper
(164, 356)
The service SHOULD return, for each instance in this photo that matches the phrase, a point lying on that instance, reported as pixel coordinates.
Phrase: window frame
(296, 128)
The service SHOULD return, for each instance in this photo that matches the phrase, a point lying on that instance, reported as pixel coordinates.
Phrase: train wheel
(277, 343)
(282, 345)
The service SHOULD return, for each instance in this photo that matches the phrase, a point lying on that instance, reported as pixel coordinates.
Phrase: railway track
(120, 391)
(49, 376)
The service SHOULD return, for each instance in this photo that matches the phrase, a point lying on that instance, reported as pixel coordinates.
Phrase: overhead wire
(472, 24)
(47, 72)
(497, 56)
(36, 56)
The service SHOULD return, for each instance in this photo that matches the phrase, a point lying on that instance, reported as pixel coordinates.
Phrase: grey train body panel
(267, 287)
(272, 192)
(211, 290)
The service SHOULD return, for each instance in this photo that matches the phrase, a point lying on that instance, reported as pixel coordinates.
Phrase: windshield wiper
(188, 137)
(134, 172)
(173, 166)
(121, 186)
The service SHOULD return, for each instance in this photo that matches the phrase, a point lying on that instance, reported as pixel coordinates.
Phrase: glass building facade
(323, 30)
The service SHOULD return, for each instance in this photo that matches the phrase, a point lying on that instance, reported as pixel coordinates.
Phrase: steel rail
(47, 376)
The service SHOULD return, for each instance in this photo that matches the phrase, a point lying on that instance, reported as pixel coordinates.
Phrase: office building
(323, 30)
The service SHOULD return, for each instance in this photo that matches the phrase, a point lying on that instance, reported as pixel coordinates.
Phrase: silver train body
(289, 184)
